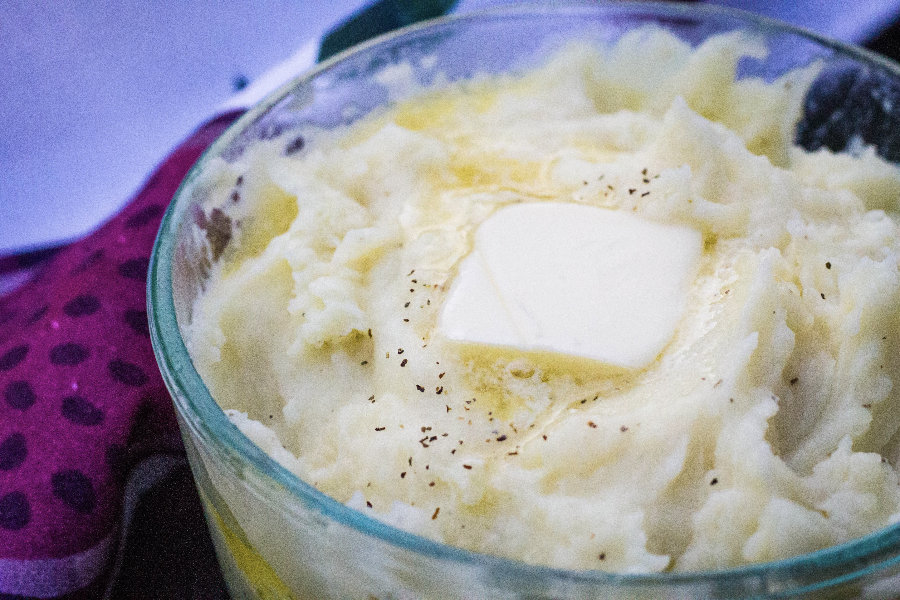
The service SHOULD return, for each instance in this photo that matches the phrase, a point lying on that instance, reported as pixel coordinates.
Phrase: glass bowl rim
(209, 422)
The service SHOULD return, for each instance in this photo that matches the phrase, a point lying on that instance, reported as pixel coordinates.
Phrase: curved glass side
(277, 536)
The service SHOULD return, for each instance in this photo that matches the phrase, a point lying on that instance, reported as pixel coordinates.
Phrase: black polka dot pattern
(135, 268)
(38, 315)
(15, 512)
(137, 321)
(68, 354)
(12, 452)
(74, 489)
(90, 260)
(19, 395)
(144, 216)
(127, 373)
(13, 357)
(6, 315)
(82, 306)
(80, 411)
(78, 382)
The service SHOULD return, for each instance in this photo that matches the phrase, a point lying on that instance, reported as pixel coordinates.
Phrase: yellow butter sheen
(766, 425)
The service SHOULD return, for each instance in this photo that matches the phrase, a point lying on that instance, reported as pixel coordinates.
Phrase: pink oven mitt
(82, 402)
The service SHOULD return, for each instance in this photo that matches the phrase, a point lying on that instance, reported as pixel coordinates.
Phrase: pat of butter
(573, 280)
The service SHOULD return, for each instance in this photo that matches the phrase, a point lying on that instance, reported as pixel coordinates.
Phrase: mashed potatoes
(766, 427)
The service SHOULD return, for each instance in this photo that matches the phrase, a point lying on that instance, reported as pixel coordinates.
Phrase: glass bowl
(277, 536)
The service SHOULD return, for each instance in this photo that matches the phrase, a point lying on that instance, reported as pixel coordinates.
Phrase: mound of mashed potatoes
(764, 426)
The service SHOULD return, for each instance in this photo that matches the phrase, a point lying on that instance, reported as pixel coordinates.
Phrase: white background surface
(95, 92)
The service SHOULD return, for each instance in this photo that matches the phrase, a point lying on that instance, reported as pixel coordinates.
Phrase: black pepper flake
(645, 180)
(823, 295)
(714, 481)
(432, 439)
(372, 398)
(369, 332)
(867, 405)
(406, 305)
(364, 363)
(644, 171)
(623, 428)
(430, 484)
(645, 194)
(453, 451)
(631, 190)
(412, 290)
(602, 556)
(399, 350)
(424, 441)
(379, 429)
(295, 145)
(794, 380)
(409, 460)
(414, 280)
(218, 232)
(403, 475)
(435, 514)
(448, 407)
(441, 375)
(544, 437)
(403, 362)
(411, 272)
(406, 320)
(467, 467)
(827, 265)
(501, 438)
(513, 453)
(420, 388)
(369, 504)
(439, 390)
(592, 425)
(425, 428)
